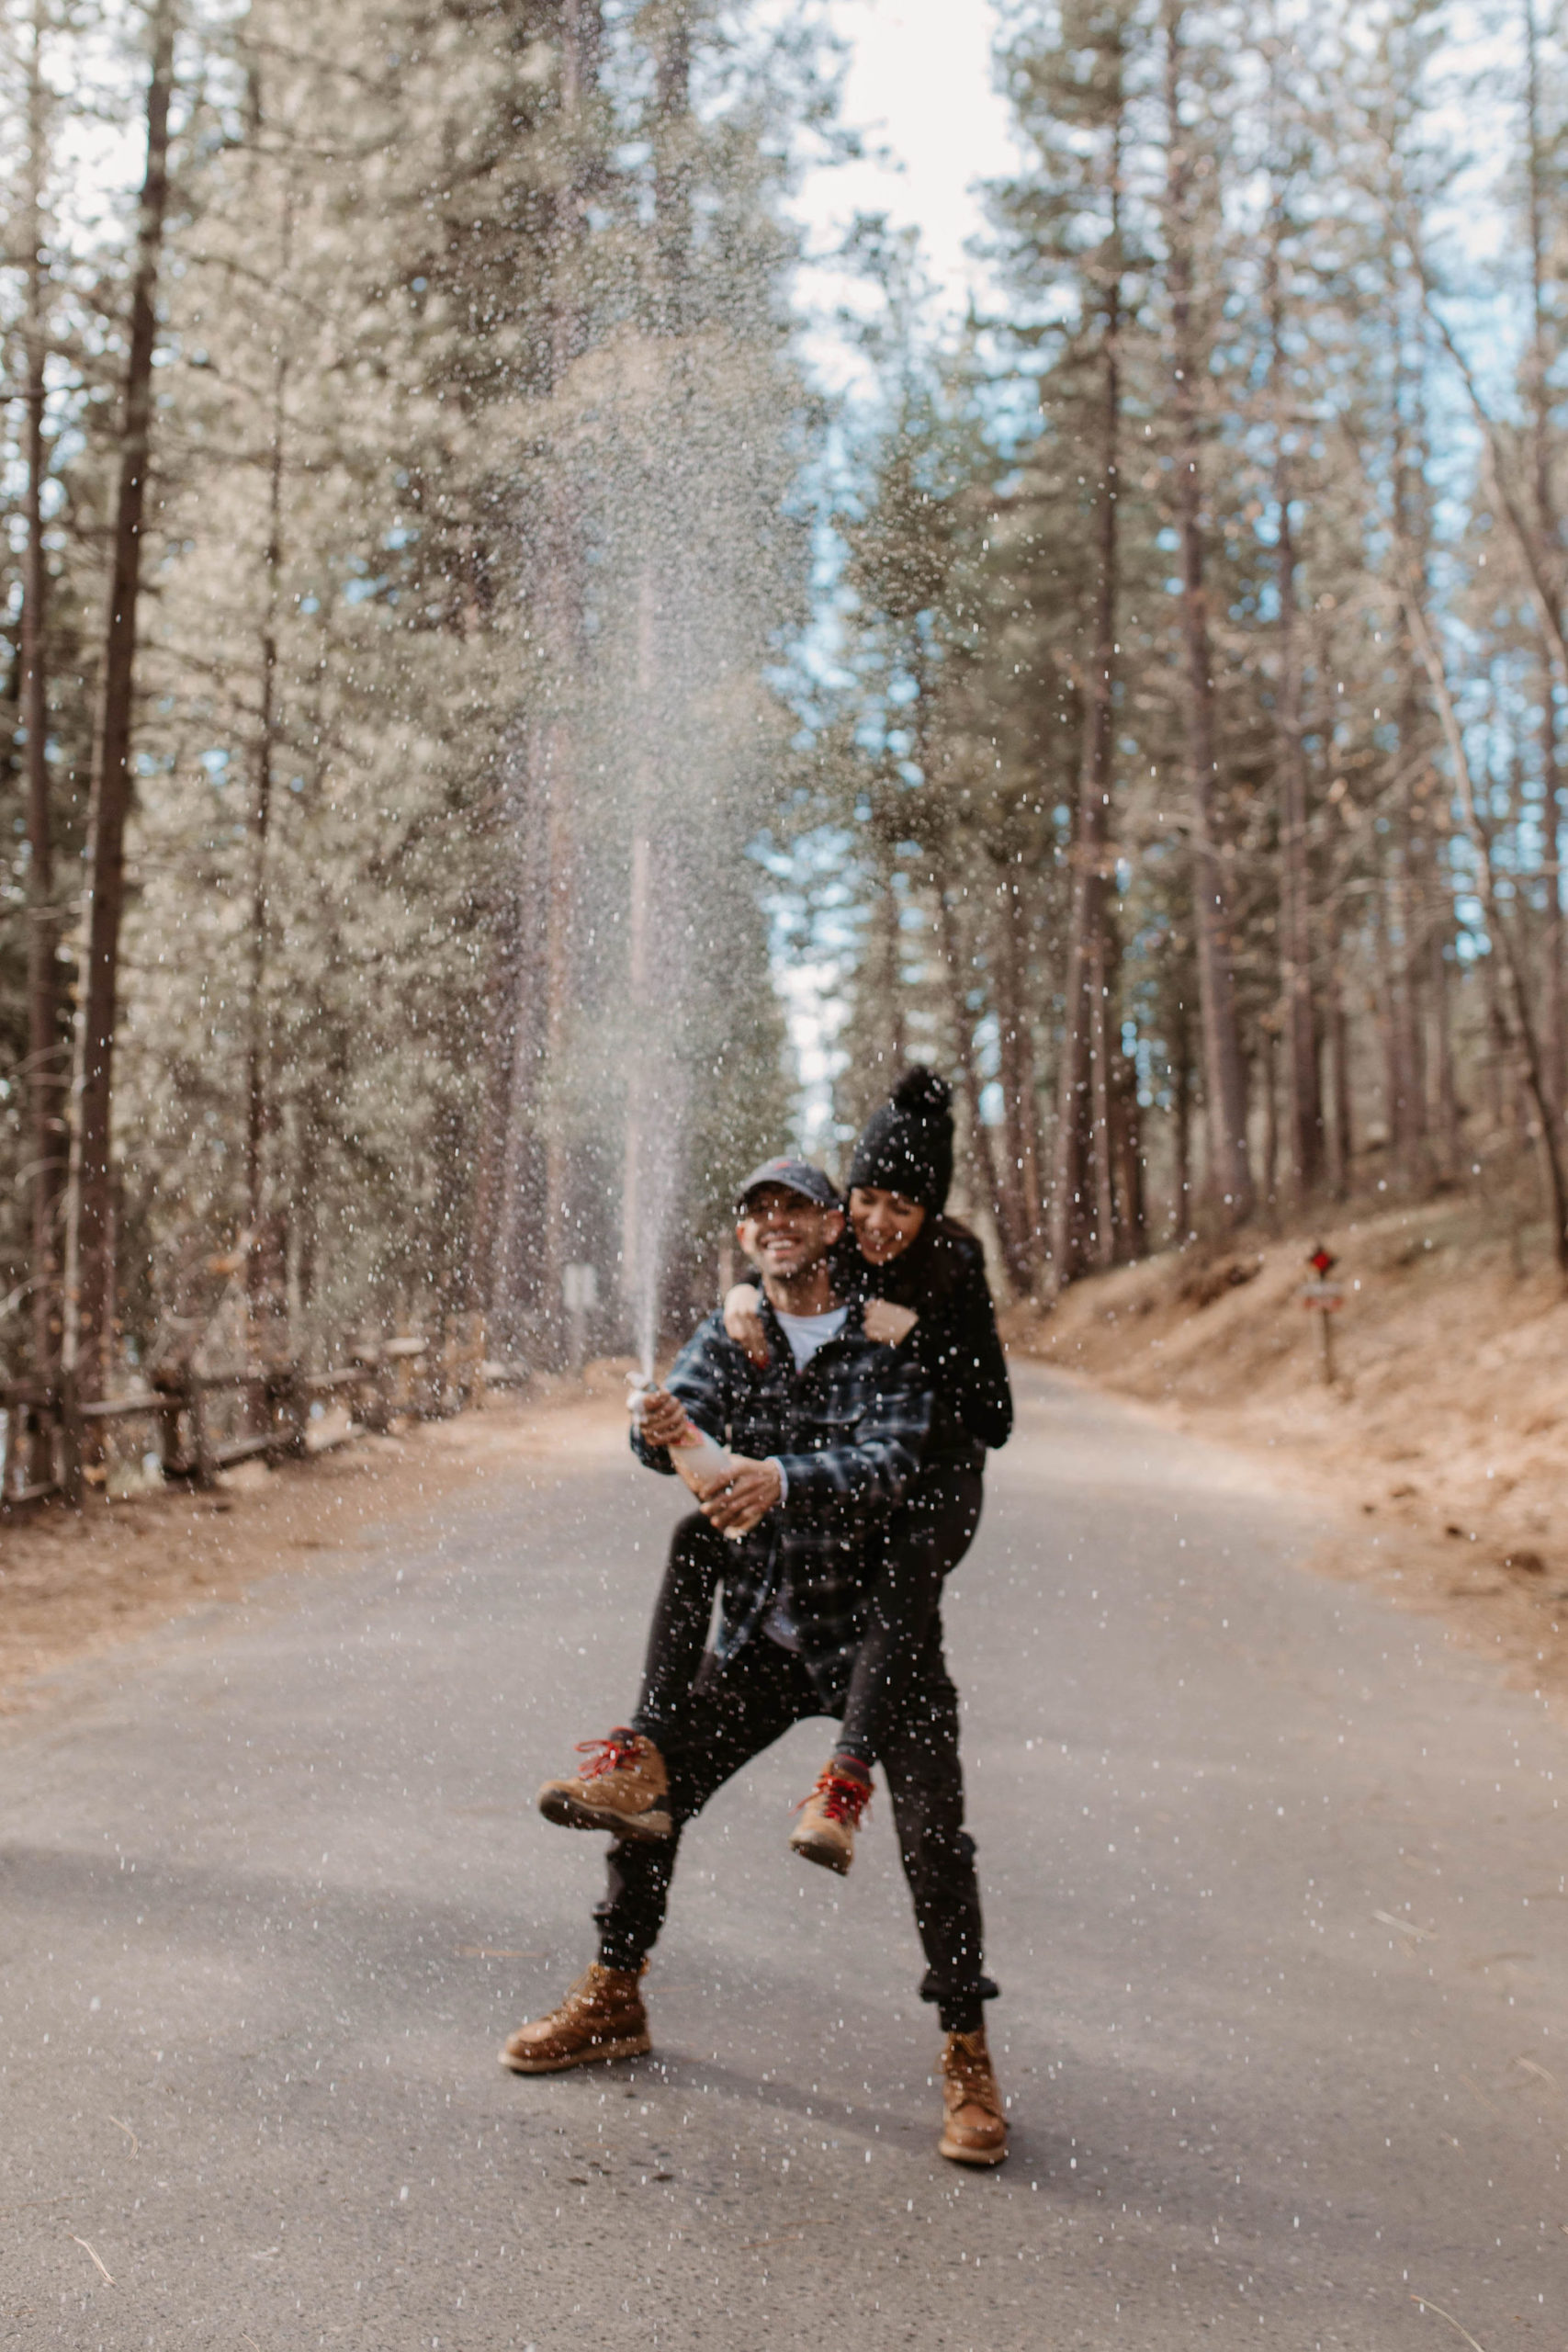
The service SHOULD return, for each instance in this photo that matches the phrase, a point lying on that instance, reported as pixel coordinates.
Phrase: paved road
(1277, 1898)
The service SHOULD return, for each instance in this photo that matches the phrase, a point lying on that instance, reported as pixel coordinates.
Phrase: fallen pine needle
(136, 2144)
(1405, 1927)
(87, 2249)
(1529, 2067)
(1452, 2321)
(1477, 2093)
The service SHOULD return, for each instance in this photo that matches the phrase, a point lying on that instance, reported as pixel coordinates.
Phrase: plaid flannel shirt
(849, 1431)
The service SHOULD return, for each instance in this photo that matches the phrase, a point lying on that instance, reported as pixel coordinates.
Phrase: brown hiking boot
(975, 2130)
(623, 1787)
(828, 1819)
(601, 2017)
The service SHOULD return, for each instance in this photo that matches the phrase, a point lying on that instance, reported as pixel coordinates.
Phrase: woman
(923, 1278)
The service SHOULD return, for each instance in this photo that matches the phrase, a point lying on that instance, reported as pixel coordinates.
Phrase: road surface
(1276, 1895)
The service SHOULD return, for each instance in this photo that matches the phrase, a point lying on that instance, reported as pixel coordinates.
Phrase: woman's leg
(927, 1537)
(682, 1615)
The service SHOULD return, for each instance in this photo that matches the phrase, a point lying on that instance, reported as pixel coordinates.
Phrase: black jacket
(849, 1431)
(941, 1278)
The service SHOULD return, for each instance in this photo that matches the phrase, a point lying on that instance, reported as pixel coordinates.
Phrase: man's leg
(732, 1714)
(677, 1635)
(925, 1780)
(624, 1785)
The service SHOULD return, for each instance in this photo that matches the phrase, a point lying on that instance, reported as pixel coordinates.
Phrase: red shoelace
(844, 1798)
(611, 1755)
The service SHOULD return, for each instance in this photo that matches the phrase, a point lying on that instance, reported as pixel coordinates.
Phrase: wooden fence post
(168, 1384)
(14, 1416)
(71, 1448)
(202, 1468)
(289, 1407)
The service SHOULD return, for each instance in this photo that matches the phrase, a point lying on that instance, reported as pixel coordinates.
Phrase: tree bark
(267, 1256)
(1343, 1139)
(1229, 1179)
(90, 1224)
(1020, 1143)
(48, 1055)
(1304, 1097)
(1553, 1042)
(1181, 1111)
(1082, 1231)
(983, 1159)
(533, 1205)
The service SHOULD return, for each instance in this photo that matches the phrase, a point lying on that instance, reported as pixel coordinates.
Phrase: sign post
(1324, 1298)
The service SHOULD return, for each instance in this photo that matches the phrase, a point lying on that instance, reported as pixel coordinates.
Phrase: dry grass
(1442, 1439)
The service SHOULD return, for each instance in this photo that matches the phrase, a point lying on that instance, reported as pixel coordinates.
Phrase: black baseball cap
(796, 1176)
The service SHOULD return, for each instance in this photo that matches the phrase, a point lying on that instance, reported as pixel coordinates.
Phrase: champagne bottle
(697, 1458)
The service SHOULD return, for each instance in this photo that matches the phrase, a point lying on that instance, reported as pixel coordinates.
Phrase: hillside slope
(1443, 1436)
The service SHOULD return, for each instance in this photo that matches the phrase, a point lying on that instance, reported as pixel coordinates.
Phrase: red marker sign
(1326, 1298)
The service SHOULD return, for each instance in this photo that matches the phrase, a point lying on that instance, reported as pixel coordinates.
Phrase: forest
(457, 655)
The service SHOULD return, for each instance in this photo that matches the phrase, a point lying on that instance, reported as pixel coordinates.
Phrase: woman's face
(885, 1222)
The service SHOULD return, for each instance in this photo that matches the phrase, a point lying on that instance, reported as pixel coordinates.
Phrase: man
(826, 1437)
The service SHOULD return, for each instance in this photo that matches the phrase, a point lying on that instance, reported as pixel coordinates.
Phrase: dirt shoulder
(1442, 1438)
(75, 1585)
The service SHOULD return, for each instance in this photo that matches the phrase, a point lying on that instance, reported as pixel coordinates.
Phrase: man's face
(785, 1234)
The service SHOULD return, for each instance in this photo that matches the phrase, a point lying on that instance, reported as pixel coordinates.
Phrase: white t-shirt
(806, 1333)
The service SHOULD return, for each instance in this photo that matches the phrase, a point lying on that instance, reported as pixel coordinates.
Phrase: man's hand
(750, 1491)
(743, 1322)
(887, 1324)
(660, 1418)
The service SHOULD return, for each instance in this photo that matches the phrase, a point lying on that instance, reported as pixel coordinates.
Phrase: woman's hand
(743, 1322)
(660, 1418)
(887, 1324)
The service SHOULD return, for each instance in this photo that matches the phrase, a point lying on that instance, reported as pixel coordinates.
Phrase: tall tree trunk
(1180, 1050)
(1343, 1139)
(532, 1213)
(267, 1256)
(1445, 1102)
(1019, 1120)
(1082, 1230)
(1303, 1099)
(1229, 1169)
(1124, 1157)
(48, 1056)
(1553, 1041)
(1269, 1073)
(956, 965)
(90, 1222)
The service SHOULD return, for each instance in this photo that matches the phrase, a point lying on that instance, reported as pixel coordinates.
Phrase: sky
(919, 88)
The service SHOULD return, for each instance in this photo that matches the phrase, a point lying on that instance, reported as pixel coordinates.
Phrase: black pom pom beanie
(907, 1146)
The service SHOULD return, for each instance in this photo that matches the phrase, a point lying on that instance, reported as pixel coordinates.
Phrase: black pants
(737, 1710)
(925, 1540)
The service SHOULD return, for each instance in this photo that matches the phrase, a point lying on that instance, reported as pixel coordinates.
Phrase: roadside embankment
(76, 1583)
(1444, 1437)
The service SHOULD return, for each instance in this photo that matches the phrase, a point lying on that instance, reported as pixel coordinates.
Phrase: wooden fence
(54, 1442)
